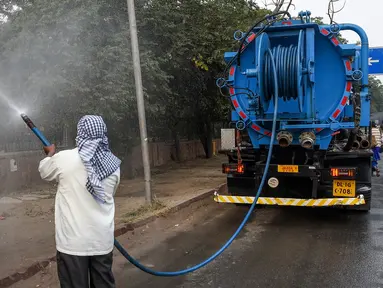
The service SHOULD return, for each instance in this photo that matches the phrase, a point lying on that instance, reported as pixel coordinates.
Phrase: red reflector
(267, 133)
(235, 103)
(349, 86)
(256, 127)
(348, 65)
(251, 38)
(335, 41)
(243, 115)
(231, 90)
(336, 113)
(344, 100)
(287, 23)
(325, 32)
(231, 71)
(318, 129)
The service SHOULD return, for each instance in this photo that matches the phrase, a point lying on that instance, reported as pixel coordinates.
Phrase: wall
(161, 154)
(19, 170)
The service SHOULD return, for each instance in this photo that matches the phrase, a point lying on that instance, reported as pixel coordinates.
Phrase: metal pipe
(364, 51)
(351, 139)
(364, 100)
(140, 99)
(284, 139)
(307, 140)
(364, 144)
(307, 143)
(359, 138)
(355, 145)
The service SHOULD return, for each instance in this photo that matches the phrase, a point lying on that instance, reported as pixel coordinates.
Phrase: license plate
(343, 188)
(288, 169)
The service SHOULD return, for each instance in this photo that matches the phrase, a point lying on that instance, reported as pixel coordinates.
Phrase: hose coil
(287, 62)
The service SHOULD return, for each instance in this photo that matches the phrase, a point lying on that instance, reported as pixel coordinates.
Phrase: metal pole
(140, 99)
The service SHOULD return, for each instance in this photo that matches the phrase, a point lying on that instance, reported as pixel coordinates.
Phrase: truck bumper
(324, 202)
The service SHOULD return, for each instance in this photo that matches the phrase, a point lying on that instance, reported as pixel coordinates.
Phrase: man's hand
(50, 150)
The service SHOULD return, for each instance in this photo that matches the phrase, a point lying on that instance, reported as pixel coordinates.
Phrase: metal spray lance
(35, 130)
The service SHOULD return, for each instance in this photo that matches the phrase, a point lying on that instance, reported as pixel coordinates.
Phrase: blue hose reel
(315, 75)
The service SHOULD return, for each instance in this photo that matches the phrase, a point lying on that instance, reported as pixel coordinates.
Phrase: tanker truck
(298, 78)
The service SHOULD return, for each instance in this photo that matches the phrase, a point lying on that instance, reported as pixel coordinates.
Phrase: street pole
(140, 99)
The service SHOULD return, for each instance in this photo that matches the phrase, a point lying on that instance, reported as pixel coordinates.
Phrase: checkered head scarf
(93, 147)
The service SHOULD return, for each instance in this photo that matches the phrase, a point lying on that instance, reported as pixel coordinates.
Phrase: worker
(376, 147)
(375, 131)
(87, 177)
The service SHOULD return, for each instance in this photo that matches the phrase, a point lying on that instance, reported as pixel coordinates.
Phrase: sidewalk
(27, 225)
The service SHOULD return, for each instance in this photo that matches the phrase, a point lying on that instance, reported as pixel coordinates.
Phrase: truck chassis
(298, 174)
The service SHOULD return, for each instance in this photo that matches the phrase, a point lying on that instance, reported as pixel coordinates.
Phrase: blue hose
(35, 130)
(132, 260)
(227, 244)
(287, 70)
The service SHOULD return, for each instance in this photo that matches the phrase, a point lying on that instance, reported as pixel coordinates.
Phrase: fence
(19, 170)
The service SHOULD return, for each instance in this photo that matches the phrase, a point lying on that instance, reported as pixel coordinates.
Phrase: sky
(366, 15)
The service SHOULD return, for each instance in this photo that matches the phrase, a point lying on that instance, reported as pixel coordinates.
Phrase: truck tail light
(233, 168)
(334, 172)
(240, 168)
(343, 172)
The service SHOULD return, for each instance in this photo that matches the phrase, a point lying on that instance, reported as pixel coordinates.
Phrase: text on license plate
(343, 188)
(288, 169)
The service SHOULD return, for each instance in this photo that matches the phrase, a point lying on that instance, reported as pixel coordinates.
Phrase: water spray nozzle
(34, 129)
(27, 120)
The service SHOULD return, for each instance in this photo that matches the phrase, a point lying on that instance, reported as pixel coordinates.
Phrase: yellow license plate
(288, 169)
(343, 188)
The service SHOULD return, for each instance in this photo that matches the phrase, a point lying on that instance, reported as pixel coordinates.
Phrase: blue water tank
(315, 72)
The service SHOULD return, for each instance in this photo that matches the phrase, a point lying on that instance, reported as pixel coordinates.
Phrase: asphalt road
(280, 247)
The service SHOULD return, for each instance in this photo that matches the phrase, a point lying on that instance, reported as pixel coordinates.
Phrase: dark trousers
(85, 271)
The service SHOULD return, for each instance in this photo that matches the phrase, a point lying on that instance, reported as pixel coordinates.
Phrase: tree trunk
(209, 140)
(206, 137)
(177, 146)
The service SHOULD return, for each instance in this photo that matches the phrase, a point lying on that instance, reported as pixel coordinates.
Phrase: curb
(40, 265)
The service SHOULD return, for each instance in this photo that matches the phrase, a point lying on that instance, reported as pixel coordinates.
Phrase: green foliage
(65, 58)
(376, 90)
(62, 59)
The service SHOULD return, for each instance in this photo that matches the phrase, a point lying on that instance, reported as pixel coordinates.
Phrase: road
(290, 247)
(279, 247)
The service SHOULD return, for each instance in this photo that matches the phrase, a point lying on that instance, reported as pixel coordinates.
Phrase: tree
(62, 59)
(69, 58)
(190, 38)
